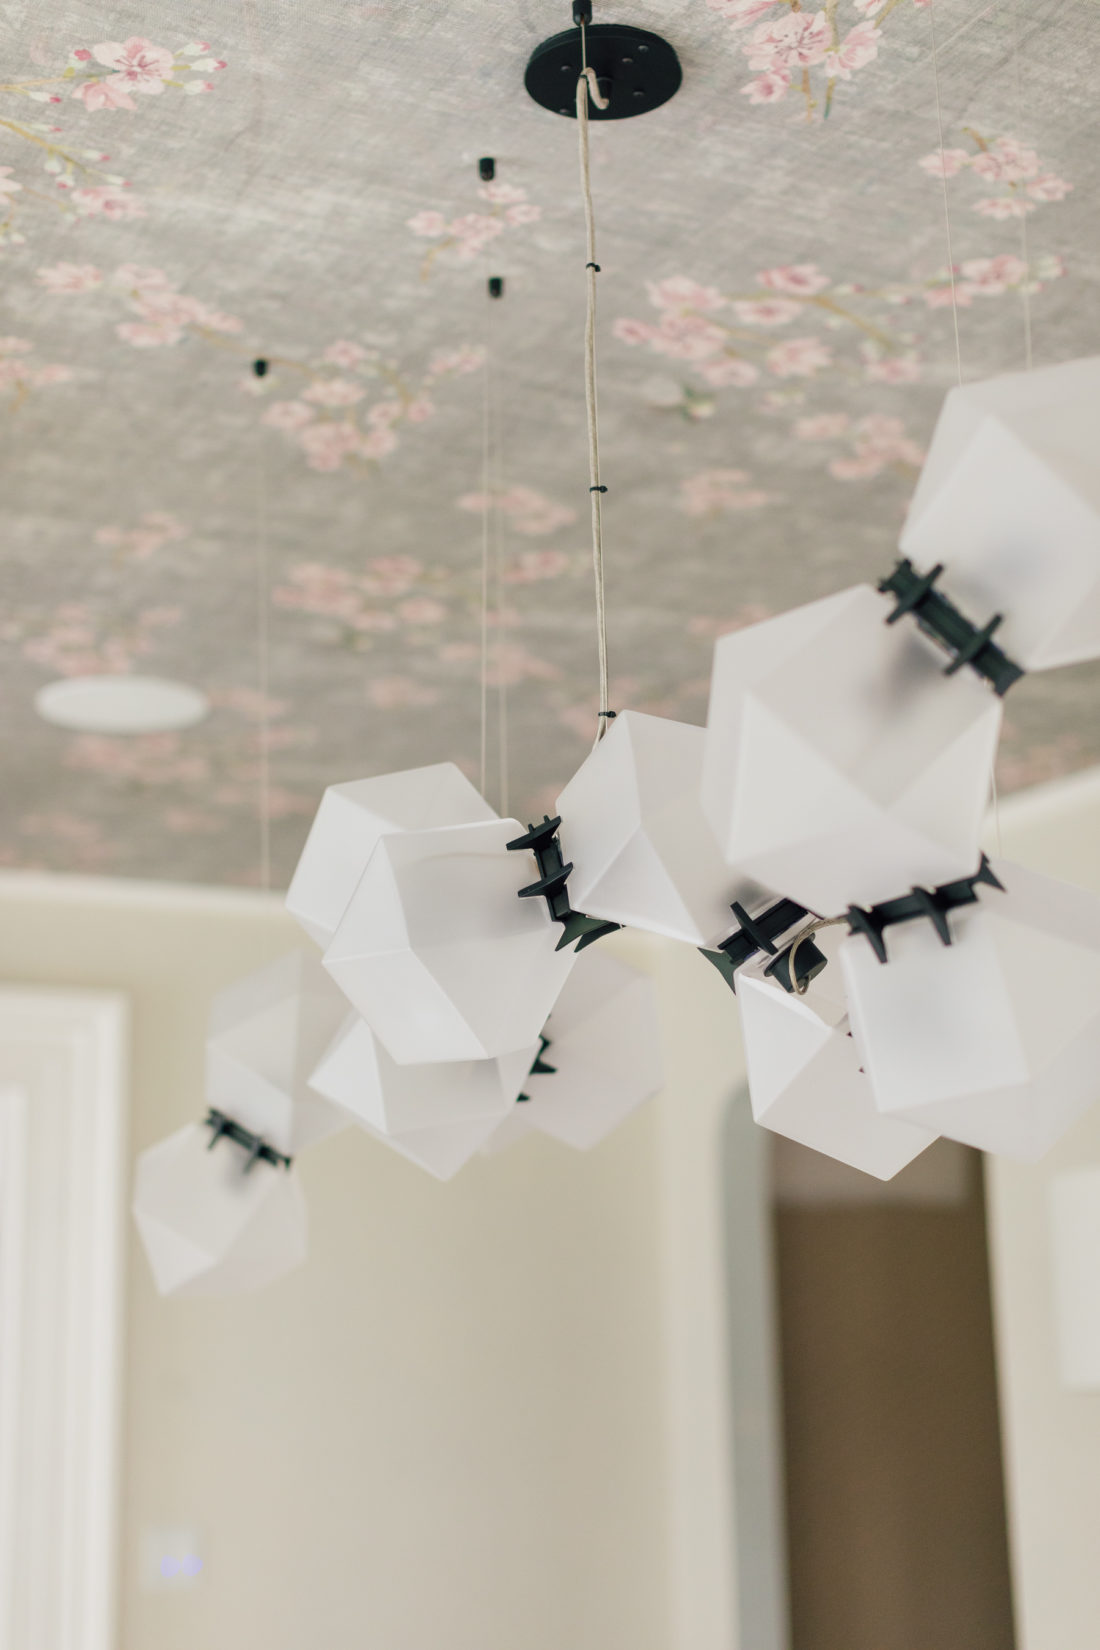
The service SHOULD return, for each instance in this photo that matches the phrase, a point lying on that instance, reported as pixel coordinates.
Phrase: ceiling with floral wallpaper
(187, 188)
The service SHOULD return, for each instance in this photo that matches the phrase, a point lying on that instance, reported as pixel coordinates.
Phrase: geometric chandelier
(818, 842)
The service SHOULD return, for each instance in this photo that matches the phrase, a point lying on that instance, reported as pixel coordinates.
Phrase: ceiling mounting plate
(637, 71)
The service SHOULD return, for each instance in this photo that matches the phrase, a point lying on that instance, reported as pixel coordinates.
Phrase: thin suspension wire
(497, 468)
(587, 86)
(263, 663)
(946, 204)
(486, 507)
(1024, 252)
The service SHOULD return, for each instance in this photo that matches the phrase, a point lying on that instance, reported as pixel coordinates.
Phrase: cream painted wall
(485, 1415)
(1052, 1436)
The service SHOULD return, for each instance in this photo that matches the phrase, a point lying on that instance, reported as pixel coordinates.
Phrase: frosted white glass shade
(265, 1035)
(1009, 502)
(352, 818)
(995, 1039)
(632, 826)
(1075, 1254)
(356, 1073)
(437, 952)
(806, 1079)
(442, 1149)
(841, 765)
(210, 1228)
(604, 1043)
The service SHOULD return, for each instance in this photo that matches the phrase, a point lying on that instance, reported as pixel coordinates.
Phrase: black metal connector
(496, 286)
(260, 368)
(224, 1128)
(940, 619)
(933, 903)
(755, 934)
(486, 168)
(540, 1067)
(582, 11)
(542, 840)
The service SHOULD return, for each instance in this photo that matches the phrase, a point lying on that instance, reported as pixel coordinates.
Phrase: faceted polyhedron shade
(208, 1226)
(604, 1044)
(806, 1079)
(995, 1039)
(642, 853)
(357, 1074)
(439, 954)
(350, 821)
(265, 1036)
(1009, 502)
(443, 1149)
(841, 765)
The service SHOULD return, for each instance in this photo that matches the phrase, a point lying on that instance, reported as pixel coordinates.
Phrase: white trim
(63, 1076)
(41, 887)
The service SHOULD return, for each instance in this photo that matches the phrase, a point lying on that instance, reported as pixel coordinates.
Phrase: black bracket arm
(940, 619)
(224, 1128)
(542, 841)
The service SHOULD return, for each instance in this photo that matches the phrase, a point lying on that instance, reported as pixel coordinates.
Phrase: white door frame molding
(63, 1063)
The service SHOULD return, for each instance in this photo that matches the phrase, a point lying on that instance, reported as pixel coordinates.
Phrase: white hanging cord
(263, 666)
(496, 470)
(946, 205)
(486, 507)
(1024, 253)
(812, 928)
(587, 86)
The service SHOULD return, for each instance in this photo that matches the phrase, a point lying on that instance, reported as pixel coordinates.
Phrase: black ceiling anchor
(635, 70)
(542, 840)
(939, 618)
(224, 1128)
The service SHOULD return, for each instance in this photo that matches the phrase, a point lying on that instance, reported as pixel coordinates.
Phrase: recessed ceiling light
(121, 704)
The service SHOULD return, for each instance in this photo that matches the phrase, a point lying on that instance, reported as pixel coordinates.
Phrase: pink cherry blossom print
(399, 693)
(139, 65)
(105, 94)
(344, 354)
(768, 88)
(378, 443)
(766, 312)
(632, 332)
(148, 335)
(712, 492)
(730, 372)
(419, 610)
(502, 194)
(796, 40)
(65, 277)
(462, 360)
(944, 163)
(107, 201)
(1049, 188)
(680, 292)
(799, 358)
(741, 14)
(821, 427)
(858, 48)
(334, 392)
(797, 280)
(8, 184)
(143, 278)
(429, 224)
(1003, 207)
(901, 369)
(287, 414)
